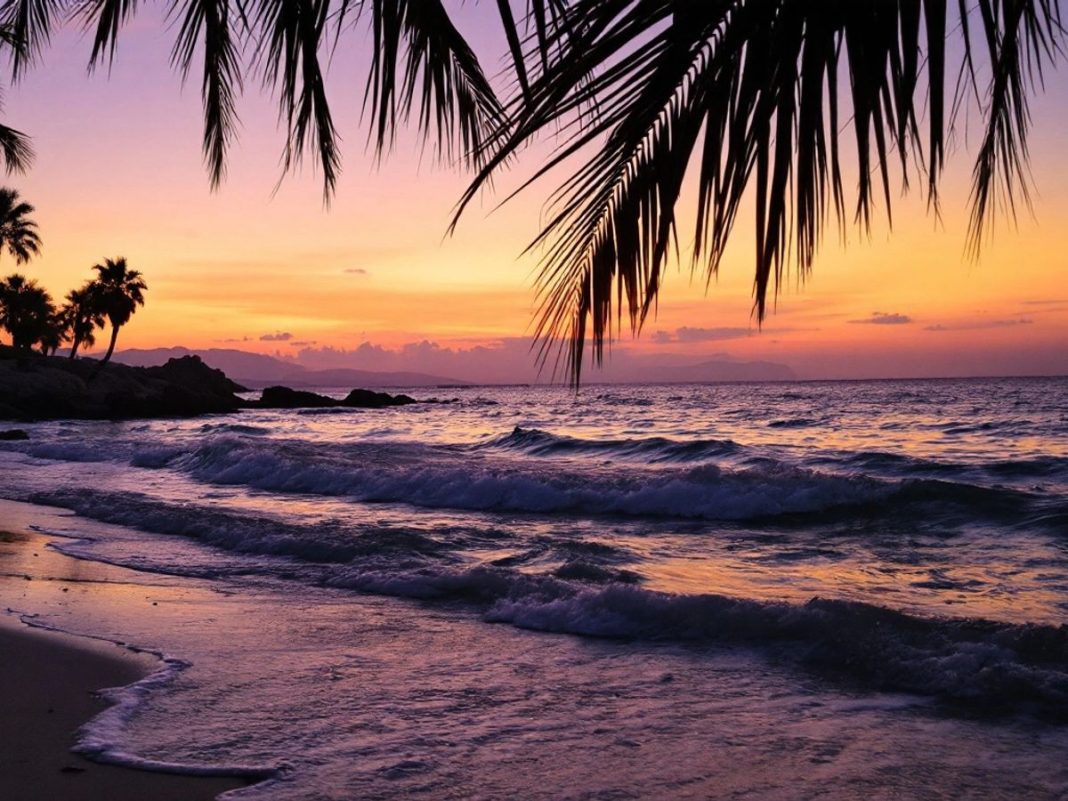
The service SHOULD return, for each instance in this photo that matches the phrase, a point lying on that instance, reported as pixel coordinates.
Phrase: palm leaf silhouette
(753, 96)
(746, 100)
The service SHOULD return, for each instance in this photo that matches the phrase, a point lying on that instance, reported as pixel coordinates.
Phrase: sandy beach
(48, 684)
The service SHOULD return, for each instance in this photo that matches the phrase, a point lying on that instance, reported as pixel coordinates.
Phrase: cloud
(355, 271)
(885, 318)
(972, 325)
(688, 334)
(231, 340)
(303, 343)
(1043, 306)
(280, 336)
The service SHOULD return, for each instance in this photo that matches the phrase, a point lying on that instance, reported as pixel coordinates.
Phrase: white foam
(377, 475)
(101, 738)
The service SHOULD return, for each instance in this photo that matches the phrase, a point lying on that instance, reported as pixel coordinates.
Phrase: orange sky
(119, 172)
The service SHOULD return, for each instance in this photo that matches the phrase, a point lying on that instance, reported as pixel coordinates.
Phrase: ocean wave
(980, 501)
(68, 452)
(439, 479)
(795, 422)
(899, 464)
(155, 457)
(234, 428)
(535, 442)
(443, 478)
(958, 428)
(1040, 466)
(893, 463)
(990, 664)
(997, 666)
(248, 534)
(619, 399)
(656, 477)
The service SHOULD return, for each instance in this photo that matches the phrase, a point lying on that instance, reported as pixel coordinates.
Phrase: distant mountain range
(255, 370)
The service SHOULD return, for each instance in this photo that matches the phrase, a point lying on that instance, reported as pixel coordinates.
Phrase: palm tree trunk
(111, 345)
(74, 345)
(107, 356)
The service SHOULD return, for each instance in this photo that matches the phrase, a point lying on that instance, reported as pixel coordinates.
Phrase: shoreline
(49, 685)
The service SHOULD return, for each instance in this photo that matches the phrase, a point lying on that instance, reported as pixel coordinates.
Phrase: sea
(812, 590)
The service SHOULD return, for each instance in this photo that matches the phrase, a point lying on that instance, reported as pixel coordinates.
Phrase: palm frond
(292, 32)
(207, 23)
(421, 64)
(16, 149)
(28, 27)
(745, 95)
(515, 44)
(106, 18)
(18, 233)
(1021, 38)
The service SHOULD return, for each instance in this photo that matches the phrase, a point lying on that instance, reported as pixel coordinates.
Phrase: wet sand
(48, 683)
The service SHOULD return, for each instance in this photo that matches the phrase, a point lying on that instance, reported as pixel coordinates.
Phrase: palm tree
(26, 311)
(54, 332)
(641, 99)
(82, 315)
(118, 291)
(18, 233)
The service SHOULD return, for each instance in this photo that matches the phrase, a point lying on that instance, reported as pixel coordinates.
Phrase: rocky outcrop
(366, 399)
(39, 388)
(34, 387)
(286, 398)
(191, 371)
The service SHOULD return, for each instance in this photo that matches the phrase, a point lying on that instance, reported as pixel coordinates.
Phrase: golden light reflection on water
(965, 591)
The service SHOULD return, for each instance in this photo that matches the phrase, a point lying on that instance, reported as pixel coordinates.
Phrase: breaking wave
(997, 666)
(384, 475)
(535, 442)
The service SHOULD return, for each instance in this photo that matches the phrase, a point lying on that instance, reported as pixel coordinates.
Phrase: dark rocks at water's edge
(366, 399)
(191, 371)
(13, 434)
(286, 398)
(34, 387)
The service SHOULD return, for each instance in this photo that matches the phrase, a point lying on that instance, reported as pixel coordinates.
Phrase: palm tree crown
(82, 315)
(26, 310)
(118, 292)
(18, 233)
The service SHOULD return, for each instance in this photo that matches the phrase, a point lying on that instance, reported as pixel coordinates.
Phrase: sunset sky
(119, 172)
